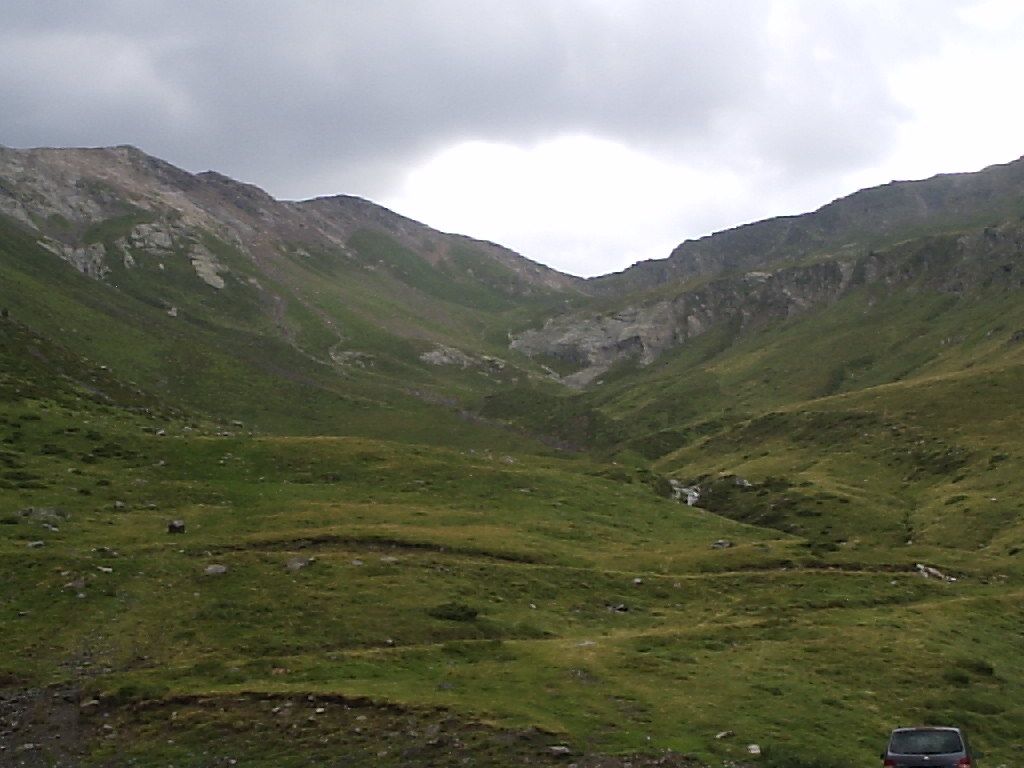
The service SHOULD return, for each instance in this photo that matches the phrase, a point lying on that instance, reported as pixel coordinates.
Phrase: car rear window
(925, 742)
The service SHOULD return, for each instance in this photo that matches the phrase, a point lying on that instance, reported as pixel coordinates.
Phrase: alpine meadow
(309, 483)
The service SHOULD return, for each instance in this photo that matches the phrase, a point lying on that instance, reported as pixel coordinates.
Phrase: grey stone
(444, 355)
(51, 514)
(689, 493)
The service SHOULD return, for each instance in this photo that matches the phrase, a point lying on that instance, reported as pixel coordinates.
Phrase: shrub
(454, 612)
(782, 757)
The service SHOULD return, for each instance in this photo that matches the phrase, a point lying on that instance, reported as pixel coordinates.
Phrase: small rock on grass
(216, 569)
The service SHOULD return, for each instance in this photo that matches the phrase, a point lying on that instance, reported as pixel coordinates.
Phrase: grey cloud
(277, 92)
(320, 96)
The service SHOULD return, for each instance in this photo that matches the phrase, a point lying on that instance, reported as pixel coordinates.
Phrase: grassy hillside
(341, 358)
(478, 592)
(890, 417)
(406, 544)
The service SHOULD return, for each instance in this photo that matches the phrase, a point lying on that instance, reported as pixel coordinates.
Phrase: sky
(585, 134)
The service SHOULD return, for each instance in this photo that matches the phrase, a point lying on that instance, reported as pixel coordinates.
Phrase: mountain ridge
(249, 198)
(909, 203)
(904, 203)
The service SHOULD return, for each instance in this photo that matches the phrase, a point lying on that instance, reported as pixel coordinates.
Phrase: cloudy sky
(586, 134)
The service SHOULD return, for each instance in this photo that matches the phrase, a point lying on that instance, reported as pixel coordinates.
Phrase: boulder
(216, 569)
(933, 573)
(50, 514)
(176, 526)
(688, 493)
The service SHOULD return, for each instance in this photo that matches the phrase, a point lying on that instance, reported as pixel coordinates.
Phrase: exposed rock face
(206, 266)
(643, 333)
(151, 237)
(445, 355)
(951, 264)
(89, 260)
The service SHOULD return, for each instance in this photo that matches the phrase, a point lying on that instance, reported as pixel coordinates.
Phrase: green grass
(480, 582)
(489, 558)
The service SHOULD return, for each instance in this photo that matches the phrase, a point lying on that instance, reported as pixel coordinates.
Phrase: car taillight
(890, 763)
(964, 762)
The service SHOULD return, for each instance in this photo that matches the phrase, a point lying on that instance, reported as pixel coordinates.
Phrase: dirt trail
(40, 727)
(49, 728)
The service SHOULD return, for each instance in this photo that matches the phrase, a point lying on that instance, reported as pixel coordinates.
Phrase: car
(927, 747)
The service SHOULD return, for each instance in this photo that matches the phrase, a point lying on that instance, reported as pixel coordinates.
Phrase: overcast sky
(586, 134)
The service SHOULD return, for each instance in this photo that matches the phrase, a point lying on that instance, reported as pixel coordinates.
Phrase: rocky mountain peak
(94, 205)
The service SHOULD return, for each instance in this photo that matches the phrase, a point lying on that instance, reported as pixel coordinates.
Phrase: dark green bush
(454, 612)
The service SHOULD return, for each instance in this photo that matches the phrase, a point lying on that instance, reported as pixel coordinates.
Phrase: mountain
(899, 234)
(292, 483)
(870, 218)
(331, 298)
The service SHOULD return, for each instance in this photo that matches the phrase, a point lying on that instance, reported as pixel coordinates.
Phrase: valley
(426, 485)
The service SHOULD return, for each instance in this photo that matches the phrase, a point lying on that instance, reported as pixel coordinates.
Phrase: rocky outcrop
(952, 264)
(89, 259)
(644, 333)
(206, 266)
(445, 355)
